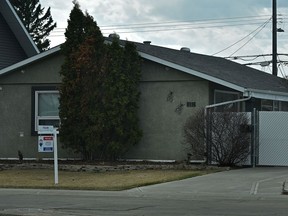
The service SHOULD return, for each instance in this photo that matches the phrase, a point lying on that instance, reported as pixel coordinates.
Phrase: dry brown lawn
(42, 178)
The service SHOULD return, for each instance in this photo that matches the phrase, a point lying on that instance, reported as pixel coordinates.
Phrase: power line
(252, 56)
(174, 28)
(264, 63)
(280, 67)
(186, 21)
(269, 63)
(250, 38)
(181, 23)
(170, 25)
(157, 25)
(260, 27)
(246, 56)
(186, 28)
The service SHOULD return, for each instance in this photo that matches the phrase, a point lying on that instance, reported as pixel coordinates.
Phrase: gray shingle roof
(220, 68)
(224, 72)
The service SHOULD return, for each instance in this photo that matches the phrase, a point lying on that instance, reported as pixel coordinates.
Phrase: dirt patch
(103, 166)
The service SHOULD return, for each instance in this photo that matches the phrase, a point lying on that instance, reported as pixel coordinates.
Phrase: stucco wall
(159, 118)
(163, 89)
(15, 109)
(41, 72)
(16, 106)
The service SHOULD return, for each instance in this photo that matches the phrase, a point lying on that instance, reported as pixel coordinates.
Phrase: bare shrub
(222, 136)
(194, 136)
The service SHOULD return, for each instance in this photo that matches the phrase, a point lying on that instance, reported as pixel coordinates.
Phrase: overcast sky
(205, 26)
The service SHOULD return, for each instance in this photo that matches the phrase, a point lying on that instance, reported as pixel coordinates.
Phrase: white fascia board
(268, 95)
(29, 60)
(192, 72)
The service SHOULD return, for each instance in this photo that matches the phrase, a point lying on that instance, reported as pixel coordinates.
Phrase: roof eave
(266, 94)
(191, 72)
(29, 60)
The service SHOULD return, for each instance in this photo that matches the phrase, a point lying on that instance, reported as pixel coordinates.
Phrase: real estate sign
(45, 143)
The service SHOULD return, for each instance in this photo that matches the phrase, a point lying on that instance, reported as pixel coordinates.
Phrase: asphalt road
(238, 192)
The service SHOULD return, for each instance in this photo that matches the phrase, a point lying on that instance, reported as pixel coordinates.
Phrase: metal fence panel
(273, 138)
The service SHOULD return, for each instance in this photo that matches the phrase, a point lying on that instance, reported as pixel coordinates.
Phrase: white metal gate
(273, 139)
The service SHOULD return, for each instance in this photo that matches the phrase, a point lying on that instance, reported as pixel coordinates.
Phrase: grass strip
(108, 181)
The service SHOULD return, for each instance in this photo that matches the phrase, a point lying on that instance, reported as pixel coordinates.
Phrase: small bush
(219, 135)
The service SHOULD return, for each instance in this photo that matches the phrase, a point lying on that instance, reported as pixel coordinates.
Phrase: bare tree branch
(229, 143)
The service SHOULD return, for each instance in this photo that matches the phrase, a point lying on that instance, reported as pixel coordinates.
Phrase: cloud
(202, 40)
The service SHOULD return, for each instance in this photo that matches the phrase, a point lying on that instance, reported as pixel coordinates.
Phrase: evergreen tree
(37, 22)
(99, 93)
(83, 46)
(122, 98)
(131, 68)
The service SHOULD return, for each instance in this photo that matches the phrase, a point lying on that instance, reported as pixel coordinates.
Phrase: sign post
(55, 132)
(47, 142)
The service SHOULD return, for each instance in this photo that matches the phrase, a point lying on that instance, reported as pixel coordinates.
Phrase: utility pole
(274, 38)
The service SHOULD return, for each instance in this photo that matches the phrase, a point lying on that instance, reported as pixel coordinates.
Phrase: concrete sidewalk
(261, 181)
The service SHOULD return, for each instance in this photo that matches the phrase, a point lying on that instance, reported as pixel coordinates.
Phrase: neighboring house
(15, 42)
(174, 85)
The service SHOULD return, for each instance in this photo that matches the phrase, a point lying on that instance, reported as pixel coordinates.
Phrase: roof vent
(147, 42)
(185, 49)
(114, 35)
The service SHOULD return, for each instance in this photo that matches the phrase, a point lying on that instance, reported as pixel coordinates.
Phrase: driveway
(261, 181)
(238, 192)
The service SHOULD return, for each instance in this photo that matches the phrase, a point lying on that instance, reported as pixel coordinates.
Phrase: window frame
(226, 92)
(35, 118)
(274, 105)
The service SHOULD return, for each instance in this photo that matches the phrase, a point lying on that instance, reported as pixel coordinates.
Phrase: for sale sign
(45, 144)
